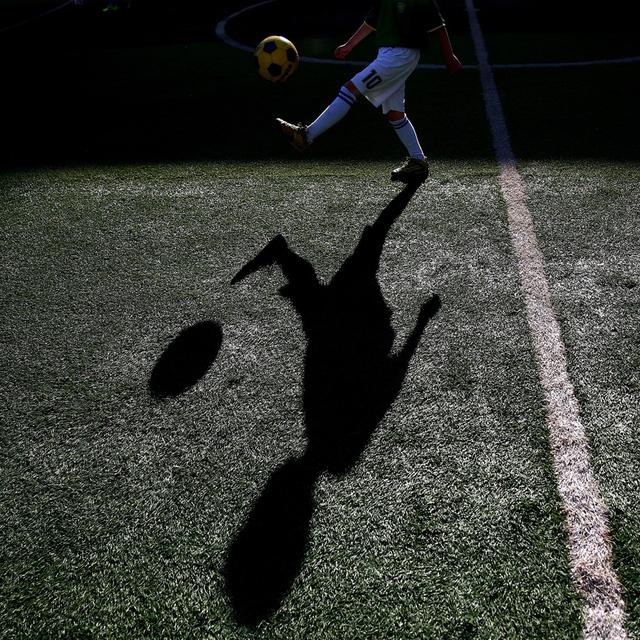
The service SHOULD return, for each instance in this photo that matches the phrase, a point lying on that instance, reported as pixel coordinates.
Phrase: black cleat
(411, 171)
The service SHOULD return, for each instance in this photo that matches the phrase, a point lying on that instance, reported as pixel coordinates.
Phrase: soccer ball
(277, 58)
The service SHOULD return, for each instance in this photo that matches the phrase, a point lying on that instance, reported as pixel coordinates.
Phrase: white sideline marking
(221, 32)
(586, 514)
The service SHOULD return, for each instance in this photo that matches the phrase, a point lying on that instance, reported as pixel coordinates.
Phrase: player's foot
(411, 171)
(296, 134)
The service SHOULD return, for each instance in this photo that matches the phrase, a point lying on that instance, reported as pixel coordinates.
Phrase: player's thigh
(385, 76)
(394, 102)
(377, 86)
(370, 77)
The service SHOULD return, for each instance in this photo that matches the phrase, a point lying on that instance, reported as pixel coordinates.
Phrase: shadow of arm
(427, 311)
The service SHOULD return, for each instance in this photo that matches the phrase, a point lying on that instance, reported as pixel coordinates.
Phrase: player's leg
(301, 136)
(337, 110)
(416, 168)
(379, 80)
(407, 134)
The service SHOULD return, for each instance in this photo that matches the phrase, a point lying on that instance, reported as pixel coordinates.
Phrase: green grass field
(140, 501)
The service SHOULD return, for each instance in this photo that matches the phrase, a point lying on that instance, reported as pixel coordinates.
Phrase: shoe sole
(408, 179)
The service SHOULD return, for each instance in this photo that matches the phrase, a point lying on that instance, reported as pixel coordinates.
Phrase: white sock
(337, 110)
(407, 135)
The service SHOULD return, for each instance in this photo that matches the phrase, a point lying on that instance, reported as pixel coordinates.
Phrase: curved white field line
(22, 23)
(221, 32)
(589, 541)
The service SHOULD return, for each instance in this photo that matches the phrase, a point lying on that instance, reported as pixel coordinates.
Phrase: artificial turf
(448, 524)
(127, 490)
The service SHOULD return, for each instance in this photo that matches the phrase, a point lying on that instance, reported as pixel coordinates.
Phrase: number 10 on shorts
(372, 79)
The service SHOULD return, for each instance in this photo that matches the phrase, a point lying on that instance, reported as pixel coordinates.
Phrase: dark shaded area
(267, 554)
(351, 378)
(154, 83)
(498, 16)
(568, 16)
(186, 360)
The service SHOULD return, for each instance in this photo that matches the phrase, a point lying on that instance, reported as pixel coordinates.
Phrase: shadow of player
(351, 378)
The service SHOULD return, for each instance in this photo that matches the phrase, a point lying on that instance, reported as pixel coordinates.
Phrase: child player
(403, 29)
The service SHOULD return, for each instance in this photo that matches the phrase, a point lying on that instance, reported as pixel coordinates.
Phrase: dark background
(151, 82)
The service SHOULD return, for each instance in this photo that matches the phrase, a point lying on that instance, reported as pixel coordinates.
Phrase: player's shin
(337, 110)
(408, 137)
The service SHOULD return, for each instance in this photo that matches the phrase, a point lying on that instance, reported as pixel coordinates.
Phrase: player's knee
(394, 115)
(352, 87)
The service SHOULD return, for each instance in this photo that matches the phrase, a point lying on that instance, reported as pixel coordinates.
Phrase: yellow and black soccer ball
(277, 58)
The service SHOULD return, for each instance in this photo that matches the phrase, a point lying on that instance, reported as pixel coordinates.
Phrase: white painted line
(221, 27)
(586, 514)
(221, 32)
(22, 23)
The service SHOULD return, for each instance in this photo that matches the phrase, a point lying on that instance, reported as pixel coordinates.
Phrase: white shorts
(382, 82)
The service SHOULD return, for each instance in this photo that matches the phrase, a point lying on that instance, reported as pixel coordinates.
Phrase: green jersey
(404, 23)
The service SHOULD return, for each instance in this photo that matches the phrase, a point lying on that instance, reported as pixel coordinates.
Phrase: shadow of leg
(270, 254)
